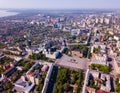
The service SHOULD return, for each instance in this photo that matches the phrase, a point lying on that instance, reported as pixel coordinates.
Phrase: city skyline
(61, 4)
(60, 46)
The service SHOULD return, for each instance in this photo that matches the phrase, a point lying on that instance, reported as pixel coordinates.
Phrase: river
(5, 13)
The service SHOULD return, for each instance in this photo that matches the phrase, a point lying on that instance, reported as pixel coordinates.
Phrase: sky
(61, 4)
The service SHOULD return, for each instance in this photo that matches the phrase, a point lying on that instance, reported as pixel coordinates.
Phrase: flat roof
(22, 86)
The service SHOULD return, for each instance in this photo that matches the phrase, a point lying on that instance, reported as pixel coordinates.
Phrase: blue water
(5, 13)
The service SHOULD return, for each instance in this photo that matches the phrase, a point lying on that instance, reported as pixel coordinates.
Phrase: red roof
(100, 91)
(29, 73)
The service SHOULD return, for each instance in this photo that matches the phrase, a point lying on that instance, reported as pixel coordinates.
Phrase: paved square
(71, 62)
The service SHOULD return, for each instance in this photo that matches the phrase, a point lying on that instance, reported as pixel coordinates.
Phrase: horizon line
(60, 8)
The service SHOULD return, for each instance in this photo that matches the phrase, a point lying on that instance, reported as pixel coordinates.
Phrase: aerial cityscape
(59, 46)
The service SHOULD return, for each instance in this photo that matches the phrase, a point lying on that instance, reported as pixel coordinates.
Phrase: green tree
(10, 91)
(66, 86)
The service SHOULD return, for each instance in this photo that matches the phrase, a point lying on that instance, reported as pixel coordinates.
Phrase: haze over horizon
(61, 4)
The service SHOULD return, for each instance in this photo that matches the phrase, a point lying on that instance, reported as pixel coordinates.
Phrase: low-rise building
(117, 64)
(52, 56)
(106, 78)
(104, 84)
(118, 45)
(75, 32)
(22, 86)
(116, 38)
(99, 59)
(28, 81)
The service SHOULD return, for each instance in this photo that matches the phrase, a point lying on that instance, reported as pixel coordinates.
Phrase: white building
(52, 56)
(96, 20)
(104, 78)
(116, 38)
(101, 20)
(75, 32)
(99, 59)
(117, 64)
(106, 87)
(66, 29)
(27, 82)
(118, 45)
(106, 20)
(22, 86)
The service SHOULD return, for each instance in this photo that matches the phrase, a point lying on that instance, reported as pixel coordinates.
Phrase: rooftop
(22, 86)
